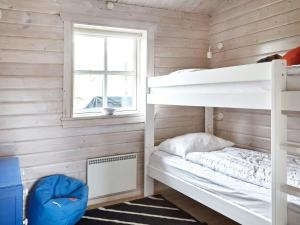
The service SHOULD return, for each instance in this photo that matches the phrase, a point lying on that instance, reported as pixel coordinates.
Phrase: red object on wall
(292, 57)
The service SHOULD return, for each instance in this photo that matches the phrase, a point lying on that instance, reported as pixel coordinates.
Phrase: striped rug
(154, 210)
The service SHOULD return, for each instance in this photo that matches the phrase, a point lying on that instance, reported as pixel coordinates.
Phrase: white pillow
(194, 142)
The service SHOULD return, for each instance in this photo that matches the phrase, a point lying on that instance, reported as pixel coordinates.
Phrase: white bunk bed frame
(278, 99)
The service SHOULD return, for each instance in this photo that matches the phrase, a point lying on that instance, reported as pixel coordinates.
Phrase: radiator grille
(111, 174)
(111, 158)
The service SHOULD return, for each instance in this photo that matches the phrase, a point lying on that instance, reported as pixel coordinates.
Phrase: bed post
(148, 149)
(209, 120)
(278, 137)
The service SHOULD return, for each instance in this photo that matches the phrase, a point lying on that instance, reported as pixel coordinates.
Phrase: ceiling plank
(195, 6)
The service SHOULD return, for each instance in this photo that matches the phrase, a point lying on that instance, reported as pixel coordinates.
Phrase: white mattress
(248, 195)
(226, 88)
(235, 87)
(247, 165)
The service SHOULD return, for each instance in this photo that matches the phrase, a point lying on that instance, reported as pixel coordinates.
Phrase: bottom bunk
(224, 181)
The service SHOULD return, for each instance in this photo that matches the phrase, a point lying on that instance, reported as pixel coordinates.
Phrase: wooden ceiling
(206, 6)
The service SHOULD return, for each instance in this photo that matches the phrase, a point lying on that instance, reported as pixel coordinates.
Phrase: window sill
(94, 120)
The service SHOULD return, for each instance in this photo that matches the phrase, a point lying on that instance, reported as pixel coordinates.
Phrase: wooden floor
(195, 209)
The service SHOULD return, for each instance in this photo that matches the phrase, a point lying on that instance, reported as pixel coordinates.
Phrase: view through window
(106, 70)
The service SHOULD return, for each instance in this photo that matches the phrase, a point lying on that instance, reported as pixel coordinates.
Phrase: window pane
(121, 91)
(121, 54)
(88, 52)
(88, 93)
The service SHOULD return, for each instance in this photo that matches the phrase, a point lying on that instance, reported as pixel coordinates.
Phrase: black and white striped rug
(153, 210)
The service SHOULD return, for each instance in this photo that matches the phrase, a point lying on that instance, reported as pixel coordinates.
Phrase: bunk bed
(255, 86)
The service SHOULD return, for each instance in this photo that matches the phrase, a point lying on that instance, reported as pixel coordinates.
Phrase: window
(106, 70)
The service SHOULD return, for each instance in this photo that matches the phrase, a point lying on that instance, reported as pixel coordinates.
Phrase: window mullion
(105, 100)
(125, 73)
(88, 72)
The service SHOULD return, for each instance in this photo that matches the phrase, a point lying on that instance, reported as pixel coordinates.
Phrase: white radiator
(112, 174)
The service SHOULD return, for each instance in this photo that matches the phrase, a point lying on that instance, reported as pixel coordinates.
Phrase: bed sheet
(250, 196)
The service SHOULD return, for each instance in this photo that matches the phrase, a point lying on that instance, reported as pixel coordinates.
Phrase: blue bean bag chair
(57, 200)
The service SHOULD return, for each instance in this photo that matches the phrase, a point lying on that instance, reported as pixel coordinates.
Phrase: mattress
(234, 87)
(227, 88)
(247, 165)
(253, 197)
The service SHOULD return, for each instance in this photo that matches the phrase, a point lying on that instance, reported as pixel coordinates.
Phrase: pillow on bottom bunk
(194, 142)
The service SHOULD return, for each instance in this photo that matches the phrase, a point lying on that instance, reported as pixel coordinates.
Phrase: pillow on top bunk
(292, 57)
(194, 142)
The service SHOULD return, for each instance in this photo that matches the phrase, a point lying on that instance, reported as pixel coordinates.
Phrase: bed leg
(149, 148)
(148, 186)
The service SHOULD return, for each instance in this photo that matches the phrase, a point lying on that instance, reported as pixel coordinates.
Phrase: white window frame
(148, 30)
(106, 32)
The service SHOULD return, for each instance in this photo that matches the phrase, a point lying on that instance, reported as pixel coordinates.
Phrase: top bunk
(248, 86)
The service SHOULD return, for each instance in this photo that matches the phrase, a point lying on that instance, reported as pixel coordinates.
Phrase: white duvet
(250, 166)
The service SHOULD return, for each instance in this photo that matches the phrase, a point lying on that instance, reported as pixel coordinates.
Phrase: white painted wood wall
(31, 81)
(31, 75)
(250, 30)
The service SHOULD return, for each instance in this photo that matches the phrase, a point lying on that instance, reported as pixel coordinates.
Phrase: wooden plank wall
(31, 81)
(250, 30)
